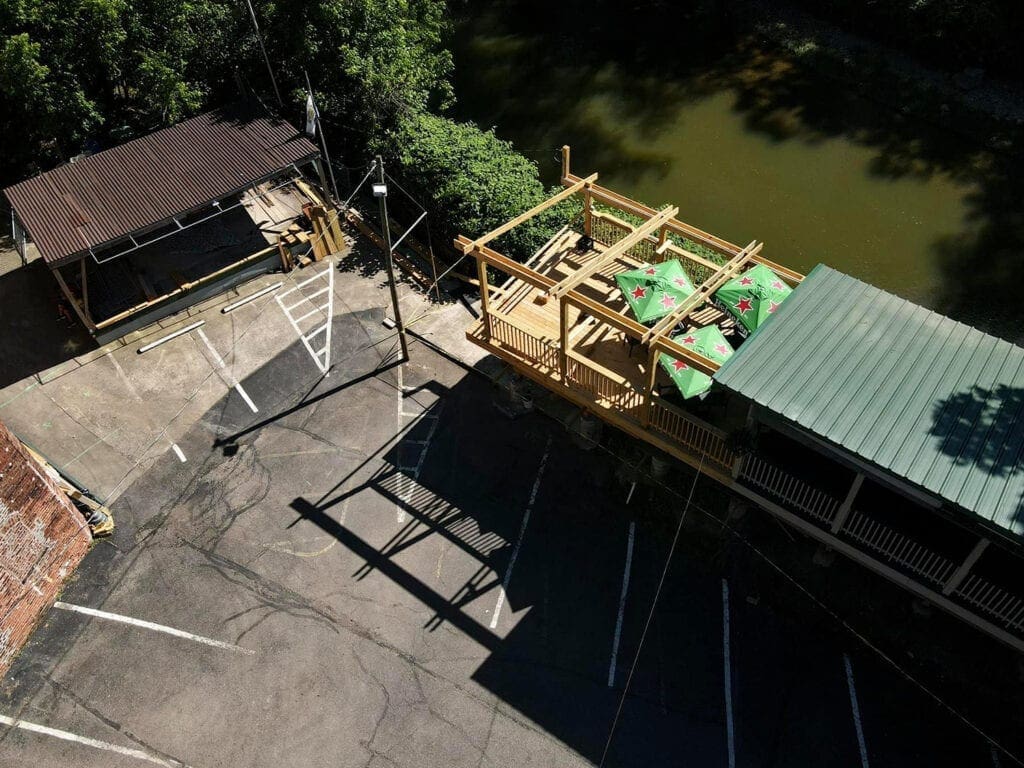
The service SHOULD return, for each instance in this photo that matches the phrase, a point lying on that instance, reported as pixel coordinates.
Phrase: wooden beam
(705, 289)
(563, 337)
(634, 237)
(511, 224)
(85, 292)
(652, 374)
(505, 264)
(485, 300)
(703, 364)
(71, 298)
(565, 162)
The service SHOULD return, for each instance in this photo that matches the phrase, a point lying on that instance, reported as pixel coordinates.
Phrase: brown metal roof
(148, 181)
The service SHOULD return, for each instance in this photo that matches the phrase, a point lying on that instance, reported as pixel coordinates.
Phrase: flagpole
(323, 139)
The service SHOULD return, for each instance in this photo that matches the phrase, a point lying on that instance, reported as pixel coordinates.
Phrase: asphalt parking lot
(378, 568)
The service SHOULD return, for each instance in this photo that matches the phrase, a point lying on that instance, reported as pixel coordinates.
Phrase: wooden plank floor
(594, 340)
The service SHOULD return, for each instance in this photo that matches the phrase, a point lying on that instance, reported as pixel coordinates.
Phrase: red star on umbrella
(690, 340)
(721, 349)
(772, 306)
(639, 292)
(744, 305)
(680, 281)
(679, 365)
(777, 285)
(650, 271)
(667, 301)
(746, 281)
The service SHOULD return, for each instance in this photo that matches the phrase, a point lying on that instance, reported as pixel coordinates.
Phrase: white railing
(699, 437)
(602, 384)
(523, 343)
(995, 601)
(794, 491)
(897, 548)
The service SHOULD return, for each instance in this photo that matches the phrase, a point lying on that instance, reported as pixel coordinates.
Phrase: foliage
(476, 181)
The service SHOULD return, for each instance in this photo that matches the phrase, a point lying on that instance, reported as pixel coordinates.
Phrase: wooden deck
(561, 320)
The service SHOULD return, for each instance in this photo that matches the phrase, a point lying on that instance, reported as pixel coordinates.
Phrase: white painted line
(247, 299)
(124, 378)
(231, 379)
(996, 762)
(622, 604)
(179, 453)
(168, 337)
(245, 396)
(522, 533)
(150, 625)
(856, 712)
(730, 733)
(138, 754)
(407, 496)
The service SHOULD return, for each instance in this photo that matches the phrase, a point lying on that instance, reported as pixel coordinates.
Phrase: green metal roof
(922, 396)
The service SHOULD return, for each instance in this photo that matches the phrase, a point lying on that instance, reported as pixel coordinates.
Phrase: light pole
(380, 191)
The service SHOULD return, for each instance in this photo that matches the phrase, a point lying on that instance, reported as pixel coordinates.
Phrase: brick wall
(43, 537)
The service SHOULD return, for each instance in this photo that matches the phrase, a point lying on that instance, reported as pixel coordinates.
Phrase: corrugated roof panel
(919, 395)
(140, 184)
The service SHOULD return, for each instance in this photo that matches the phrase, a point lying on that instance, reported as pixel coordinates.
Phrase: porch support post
(960, 573)
(565, 162)
(563, 337)
(485, 299)
(72, 300)
(85, 291)
(588, 212)
(847, 505)
(652, 373)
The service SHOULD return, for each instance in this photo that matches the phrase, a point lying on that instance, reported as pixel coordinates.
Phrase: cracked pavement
(370, 635)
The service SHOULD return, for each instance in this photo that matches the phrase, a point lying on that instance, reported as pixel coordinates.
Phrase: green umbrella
(753, 296)
(707, 341)
(654, 290)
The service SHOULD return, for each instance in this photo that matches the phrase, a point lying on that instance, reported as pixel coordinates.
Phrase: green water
(748, 146)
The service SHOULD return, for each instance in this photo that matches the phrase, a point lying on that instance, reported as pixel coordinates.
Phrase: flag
(310, 115)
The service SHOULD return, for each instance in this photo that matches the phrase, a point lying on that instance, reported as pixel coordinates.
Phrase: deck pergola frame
(612, 253)
(656, 228)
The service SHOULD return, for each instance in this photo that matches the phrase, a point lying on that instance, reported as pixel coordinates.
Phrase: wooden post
(965, 567)
(847, 505)
(563, 338)
(652, 373)
(485, 301)
(588, 212)
(85, 292)
(71, 298)
(565, 162)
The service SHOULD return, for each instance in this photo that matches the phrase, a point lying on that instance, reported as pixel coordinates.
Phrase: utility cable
(650, 615)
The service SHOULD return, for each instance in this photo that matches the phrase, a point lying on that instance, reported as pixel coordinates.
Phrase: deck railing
(586, 375)
(993, 600)
(785, 487)
(522, 342)
(699, 437)
(898, 548)
(607, 230)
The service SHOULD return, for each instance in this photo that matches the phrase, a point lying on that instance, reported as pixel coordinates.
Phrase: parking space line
(117, 617)
(231, 379)
(730, 732)
(519, 541)
(856, 712)
(178, 452)
(138, 754)
(622, 604)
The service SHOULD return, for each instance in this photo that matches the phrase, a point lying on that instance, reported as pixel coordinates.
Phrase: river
(747, 144)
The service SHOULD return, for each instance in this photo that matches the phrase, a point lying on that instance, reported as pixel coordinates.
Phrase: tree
(476, 181)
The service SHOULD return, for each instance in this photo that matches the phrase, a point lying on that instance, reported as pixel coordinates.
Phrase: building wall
(43, 537)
